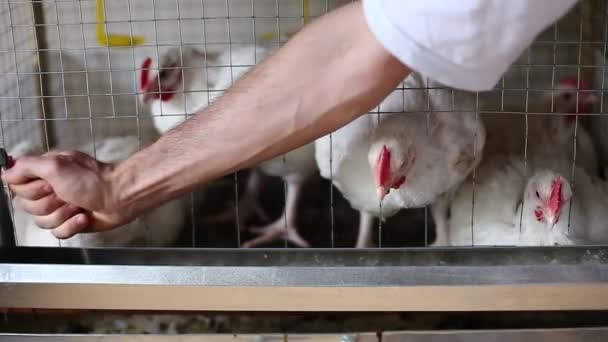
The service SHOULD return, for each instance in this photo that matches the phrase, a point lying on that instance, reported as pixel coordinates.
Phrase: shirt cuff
(419, 58)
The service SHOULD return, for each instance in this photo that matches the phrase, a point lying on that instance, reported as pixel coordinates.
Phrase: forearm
(328, 74)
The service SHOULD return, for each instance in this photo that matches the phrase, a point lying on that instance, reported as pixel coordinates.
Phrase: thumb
(27, 169)
(33, 167)
(99, 222)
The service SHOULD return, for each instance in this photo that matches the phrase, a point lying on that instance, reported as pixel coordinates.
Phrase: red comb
(555, 201)
(145, 72)
(383, 171)
(574, 82)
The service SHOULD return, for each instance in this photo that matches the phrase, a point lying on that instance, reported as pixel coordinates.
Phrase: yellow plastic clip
(305, 14)
(111, 39)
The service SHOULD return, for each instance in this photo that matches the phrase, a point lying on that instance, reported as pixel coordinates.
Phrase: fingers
(41, 207)
(33, 190)
(49, 164)
(71, 226)
(28, 168)
(58, 217)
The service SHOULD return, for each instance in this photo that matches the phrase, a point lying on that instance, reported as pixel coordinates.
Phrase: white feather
(448, 145)
(204, 79)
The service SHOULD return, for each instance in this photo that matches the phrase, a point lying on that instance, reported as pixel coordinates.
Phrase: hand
(68, 192)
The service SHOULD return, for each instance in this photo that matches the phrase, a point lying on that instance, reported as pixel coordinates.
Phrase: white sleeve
(466, 44)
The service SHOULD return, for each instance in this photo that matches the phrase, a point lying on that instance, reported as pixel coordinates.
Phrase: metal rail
(555, 335)
(497, 279)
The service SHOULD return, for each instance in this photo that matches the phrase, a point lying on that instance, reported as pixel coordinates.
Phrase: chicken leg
(366, 222)
(249, 205)
(285, 226)
(439, 211)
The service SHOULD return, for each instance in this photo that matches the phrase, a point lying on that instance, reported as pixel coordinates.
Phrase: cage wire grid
(61, 90)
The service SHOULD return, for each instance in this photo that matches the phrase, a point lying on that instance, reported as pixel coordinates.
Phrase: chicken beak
(551, 219)
(591, 98)
(152, 91)
(382, 192)
(586, 103)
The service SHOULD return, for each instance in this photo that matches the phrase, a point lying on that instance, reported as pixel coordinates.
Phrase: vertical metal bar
(284, 157)
(253, 30)
(428, 130)
(185, 93)
(13, 41)
(236, 173)
(526, 110)
(502, 94)
(331, 180)
(381, 214)
(158, 61)
(381, 217)
(42, 63)
(587, 50)
(86, 78)
(7, 230)
(62, 69)
(475, 134)
(137, 111)
(105, 27)
(41, 54)
(576, 117)
(604, 52)
(554, 66)
(14, 44)
(206, 71)
(154, 20)
(84, 252)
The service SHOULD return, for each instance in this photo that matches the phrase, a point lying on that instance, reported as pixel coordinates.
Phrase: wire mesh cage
(92, 75)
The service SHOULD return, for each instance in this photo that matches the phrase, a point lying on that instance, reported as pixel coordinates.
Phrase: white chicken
(157, 228)
(554, 215)
(227, 66)
(384, 163)
(483, 212)
(547, 136)
(175, 87)
(500, 179)
(544, 213)
(187, 80)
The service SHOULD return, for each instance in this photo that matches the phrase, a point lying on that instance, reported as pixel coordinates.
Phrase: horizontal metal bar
(239, 43)
(290, 276)
(213, 65)
(537, 90)
(394, 280)
(124, 116)
(335, 257)
(561, 335)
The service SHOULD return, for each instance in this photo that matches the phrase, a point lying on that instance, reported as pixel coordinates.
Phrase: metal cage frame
(285, 280)
(573, 278)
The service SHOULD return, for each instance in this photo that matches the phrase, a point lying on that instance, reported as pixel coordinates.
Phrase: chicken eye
(567, 96)
(537, 195)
